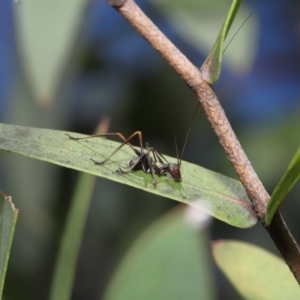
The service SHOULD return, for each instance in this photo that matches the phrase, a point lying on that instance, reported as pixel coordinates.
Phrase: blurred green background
(68, 65)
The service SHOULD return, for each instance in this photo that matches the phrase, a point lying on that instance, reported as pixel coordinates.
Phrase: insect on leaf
(200, 188)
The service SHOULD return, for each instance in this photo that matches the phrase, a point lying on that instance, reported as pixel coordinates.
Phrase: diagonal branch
(216, 116)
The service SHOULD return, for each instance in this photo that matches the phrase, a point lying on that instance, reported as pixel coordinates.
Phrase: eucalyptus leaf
(221, 196)
(170, 260)
(285, 184)
(211, 69)
(46, 32)
(254, 272)
(8, 219)
(198, 22)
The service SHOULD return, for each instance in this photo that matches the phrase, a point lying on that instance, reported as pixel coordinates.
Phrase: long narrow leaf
(285, 184)
(197, 21)
(211, 69)
(226, 197)
(65, 268)
(8, 219)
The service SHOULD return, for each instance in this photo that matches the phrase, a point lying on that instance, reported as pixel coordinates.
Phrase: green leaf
(198, 22)
(46, 32)
(211, 69)
(285, 184)
(65, 267)
(170, 260)
(8, 219)
(254, 272)
(200, 187)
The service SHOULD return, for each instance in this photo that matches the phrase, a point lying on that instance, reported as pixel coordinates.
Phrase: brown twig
(216, 115)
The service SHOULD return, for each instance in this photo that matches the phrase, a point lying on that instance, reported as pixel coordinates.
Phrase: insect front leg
(152, 168)
(144, 162)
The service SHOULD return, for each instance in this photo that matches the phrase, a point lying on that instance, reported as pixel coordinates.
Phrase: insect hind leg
(125, 142)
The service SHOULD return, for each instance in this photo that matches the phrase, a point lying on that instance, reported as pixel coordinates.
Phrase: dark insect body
(148, 159)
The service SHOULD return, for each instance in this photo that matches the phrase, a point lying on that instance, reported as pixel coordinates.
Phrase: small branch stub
(116, 3)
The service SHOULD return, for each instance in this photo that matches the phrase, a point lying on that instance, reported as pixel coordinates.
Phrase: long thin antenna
(176, 146)
(190, 127)
(188, 133)
(237, 32)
